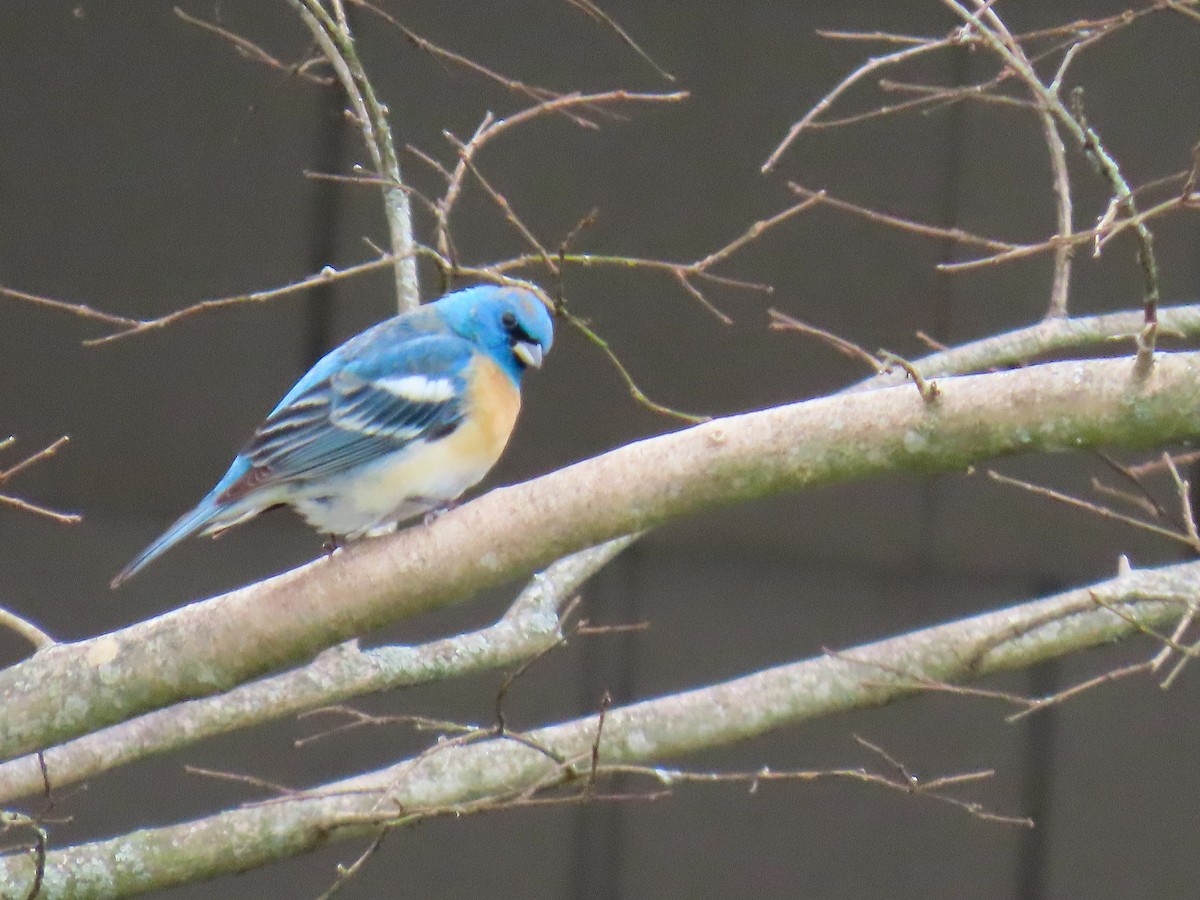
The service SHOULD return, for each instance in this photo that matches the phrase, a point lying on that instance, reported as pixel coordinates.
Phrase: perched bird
(396, 422)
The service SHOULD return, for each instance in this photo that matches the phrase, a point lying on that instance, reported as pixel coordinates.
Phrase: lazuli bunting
(397, 421)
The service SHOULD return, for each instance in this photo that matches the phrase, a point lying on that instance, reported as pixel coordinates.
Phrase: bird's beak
(528, 353)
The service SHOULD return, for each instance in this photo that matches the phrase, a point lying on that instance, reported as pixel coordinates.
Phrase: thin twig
(26, 629)
(1135, 476)
(43, 454)
(38, 509)
(635, 391)
(993, 32)
(327, 275)
(345, 873)
(1060, 287)
(1075, 690)
(10, 820)
(27, 505)
(247, 49)
(928, 389)
(334, 38)
(595, 12)
(533, 92)
(871, 65)
(957, 235)
(1156, 465)
(272, 787)
(906, 783)
(1183, 491)
(505, 206)
(1169, 643)
(757, 230)
(783, 322)
(1102, 511)
(77, 309)
(1164, 654)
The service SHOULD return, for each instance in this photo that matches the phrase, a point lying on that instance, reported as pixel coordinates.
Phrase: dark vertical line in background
(943, 310)
(1041, 737)
(331, 133)
(624, 690)
(608, 662)
(942, 314)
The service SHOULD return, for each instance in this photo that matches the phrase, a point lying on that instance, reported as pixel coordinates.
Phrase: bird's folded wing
(365, 410)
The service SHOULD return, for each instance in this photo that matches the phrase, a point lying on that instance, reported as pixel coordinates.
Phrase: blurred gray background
(144, 165)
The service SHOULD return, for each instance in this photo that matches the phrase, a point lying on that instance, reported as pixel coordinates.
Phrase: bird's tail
(206, 512)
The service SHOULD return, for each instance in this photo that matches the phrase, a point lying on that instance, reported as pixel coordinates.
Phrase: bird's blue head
(510, 323)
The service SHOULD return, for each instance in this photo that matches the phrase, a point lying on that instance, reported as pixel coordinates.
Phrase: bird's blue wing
(360, 410)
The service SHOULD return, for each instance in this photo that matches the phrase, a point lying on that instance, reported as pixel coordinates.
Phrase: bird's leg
(439, 508)
(332, 542)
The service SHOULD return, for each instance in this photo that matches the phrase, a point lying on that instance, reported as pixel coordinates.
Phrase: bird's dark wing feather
(362, 412)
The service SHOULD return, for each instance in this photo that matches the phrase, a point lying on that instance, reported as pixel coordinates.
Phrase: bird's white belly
(406, 484)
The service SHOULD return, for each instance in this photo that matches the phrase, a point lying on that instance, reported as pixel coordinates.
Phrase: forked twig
(1102, 511)
(337, 44)
(252, 51)
(26, 505)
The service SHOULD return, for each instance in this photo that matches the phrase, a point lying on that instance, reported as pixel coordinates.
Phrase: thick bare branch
(530, 626)
(1049, 336)
(463, 777)
(214, 645)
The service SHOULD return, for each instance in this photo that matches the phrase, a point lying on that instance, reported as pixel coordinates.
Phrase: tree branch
(462, 777)
(991, 29)
(1017, 348)
(25, 629)
(337, 44)
(530, 626)
(363, 672)
(25, 505)
(210, 646)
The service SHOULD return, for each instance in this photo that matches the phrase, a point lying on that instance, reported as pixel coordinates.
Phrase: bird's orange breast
(493, 402)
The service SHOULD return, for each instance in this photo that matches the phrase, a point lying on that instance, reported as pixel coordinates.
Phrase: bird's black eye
(509, 320)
